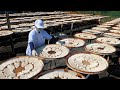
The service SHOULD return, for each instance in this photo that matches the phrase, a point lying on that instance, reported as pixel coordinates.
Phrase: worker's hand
(34, 53)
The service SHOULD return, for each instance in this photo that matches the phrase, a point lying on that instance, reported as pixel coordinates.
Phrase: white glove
(34, 53)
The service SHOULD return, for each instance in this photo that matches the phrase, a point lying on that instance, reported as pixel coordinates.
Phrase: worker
(37, 38)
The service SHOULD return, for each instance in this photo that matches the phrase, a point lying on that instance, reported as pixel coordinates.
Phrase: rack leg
(12, 45)
(87, 76)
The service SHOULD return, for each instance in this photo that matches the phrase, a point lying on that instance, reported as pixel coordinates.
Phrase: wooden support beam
(8, 21)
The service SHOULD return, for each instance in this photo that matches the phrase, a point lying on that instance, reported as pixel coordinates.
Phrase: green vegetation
(112, 14)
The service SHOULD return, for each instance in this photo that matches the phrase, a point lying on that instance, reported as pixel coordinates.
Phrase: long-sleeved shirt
(36, 39)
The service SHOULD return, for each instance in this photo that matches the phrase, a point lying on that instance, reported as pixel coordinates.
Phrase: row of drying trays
(105, 25)
(64, 18)
(25, 67)
(26, 27)
(50, 20)
(23, 14)
(23, 43)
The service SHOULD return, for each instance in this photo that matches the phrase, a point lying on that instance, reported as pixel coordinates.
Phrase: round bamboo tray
(100, 49)
(21, 67)
(108, 24)
(106, 40)
(2, 22)
(61, 74)
(4, 27)
(87, 63)
(85, 36)
(112, 35)
(115, 31)
(52, 51)
(89, 31)
(71, 42)
(100, 29)
(14, 26)
(21, 30)
(5, 33)
(25, 25)
(104, 26)
(118, 25)
(117, 28)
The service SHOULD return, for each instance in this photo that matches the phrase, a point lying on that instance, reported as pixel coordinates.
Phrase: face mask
(39, 29)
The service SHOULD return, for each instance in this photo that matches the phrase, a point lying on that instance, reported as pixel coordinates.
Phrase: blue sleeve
(31, 45)
(31, 37)
(47, 36)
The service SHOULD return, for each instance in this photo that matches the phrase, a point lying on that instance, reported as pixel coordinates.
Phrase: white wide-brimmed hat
(39, 23)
